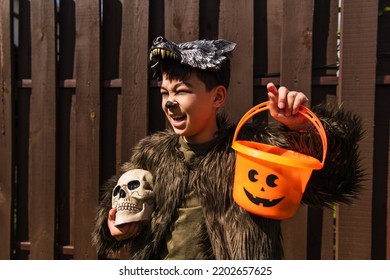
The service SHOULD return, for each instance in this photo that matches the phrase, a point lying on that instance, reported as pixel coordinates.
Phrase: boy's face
(194, 113)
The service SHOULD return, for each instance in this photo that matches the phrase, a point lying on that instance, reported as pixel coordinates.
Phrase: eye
(132, 185)
(271, 180)
(251, 175)
(182, 91)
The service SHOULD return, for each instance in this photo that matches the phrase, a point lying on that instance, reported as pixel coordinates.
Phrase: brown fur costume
(229, 232)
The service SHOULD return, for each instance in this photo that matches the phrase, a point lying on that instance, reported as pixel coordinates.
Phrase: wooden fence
(76, 95)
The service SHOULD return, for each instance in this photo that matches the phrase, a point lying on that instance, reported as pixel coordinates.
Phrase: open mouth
(265, 202)
(178, 120)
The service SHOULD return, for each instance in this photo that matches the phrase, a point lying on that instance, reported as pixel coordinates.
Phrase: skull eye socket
(251, 175)
(132, 185)
(271, 180)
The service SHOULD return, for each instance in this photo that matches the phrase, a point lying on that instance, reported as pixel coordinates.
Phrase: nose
(170, 104)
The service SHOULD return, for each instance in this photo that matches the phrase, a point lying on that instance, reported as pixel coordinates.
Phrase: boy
(192, 165)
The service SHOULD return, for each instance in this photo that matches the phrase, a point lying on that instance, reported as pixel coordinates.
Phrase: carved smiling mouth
(264, 201)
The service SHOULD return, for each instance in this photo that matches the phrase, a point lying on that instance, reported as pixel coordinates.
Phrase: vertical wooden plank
(71, 72)
(380, 173)
(22, 113)
(87, 125)
(327, 240)
(383, 63)
(332, 44)
(325, 27)
(388, 209)
(6, 130)
(42, 131)
(325, 24)
(260, 53)
(381, 170)
(314, 233)
(236, 25)
(297, 45)
(181, 20)
(67, 30)
(260, 40)
(357, 92)
(274, 35)
(208, 20)
(111, 42)
(156, 28)
(296, 75)
(134, 73)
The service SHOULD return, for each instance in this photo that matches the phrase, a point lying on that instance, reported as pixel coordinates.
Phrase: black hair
(175, 70)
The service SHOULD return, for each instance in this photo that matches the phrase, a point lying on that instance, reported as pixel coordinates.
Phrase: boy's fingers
(282, 97)
(291, 103)
(272, 89)
(273, 99)
(273, 105)
(112, 214)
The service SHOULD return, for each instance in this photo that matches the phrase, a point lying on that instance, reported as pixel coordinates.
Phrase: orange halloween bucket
(269, 181)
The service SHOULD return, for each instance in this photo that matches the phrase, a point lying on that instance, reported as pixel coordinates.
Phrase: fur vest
(230, 232)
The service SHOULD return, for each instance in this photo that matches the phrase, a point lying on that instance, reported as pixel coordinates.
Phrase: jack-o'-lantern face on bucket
(271, 182)
(272, 192)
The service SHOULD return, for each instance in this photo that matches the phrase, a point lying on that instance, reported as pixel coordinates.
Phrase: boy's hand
(284, 105)
(124, 231)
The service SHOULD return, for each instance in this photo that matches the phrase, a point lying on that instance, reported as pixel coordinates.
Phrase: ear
(219, 96)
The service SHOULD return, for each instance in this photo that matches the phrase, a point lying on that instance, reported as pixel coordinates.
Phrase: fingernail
(281, 105)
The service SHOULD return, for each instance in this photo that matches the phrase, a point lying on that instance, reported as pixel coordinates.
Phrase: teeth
(163, 53)
(178, 117)
(125, 206)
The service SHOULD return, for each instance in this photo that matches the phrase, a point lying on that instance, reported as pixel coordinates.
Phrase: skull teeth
(126, 206)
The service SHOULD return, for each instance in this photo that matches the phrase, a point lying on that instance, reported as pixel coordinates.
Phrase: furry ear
(224, 46)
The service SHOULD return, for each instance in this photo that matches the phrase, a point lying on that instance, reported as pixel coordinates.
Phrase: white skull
(132, 197)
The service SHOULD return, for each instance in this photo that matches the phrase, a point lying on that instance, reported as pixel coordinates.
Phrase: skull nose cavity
(122, 193)
(132, 185)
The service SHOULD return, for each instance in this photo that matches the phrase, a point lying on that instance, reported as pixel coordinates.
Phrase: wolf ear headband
(200, 54)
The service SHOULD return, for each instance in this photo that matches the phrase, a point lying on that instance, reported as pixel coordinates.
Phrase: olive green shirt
(183, 242)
